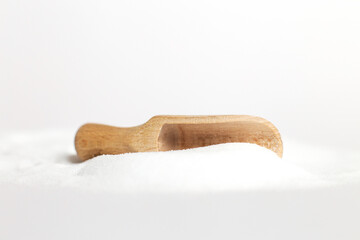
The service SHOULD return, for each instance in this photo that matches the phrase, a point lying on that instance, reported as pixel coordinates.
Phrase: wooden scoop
(163, 133)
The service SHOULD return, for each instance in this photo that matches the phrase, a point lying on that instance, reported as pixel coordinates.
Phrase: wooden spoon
(164, 133)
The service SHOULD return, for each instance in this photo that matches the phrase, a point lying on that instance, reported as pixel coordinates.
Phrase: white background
(296, 63)
(67, 62)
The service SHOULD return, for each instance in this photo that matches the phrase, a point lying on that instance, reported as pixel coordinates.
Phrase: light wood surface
(163, 133)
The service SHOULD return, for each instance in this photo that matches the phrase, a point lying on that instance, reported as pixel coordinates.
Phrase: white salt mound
(48, 159)
(220, 167)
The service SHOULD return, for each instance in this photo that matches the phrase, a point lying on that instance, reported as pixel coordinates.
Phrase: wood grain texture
(163, 133)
